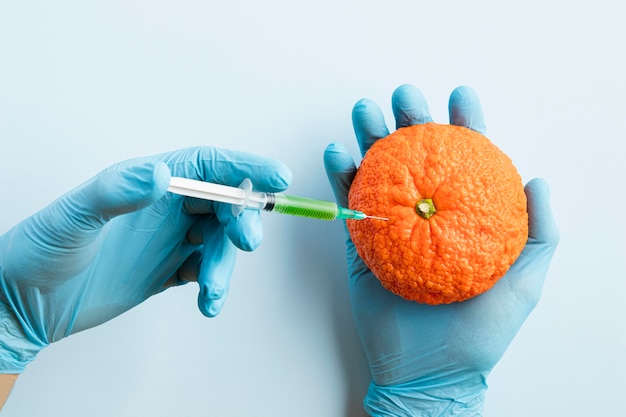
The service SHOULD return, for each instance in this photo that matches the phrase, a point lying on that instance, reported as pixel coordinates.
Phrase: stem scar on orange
(456, 208)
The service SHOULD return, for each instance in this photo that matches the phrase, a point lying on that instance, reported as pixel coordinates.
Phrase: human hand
(434, 360)
(118, 239)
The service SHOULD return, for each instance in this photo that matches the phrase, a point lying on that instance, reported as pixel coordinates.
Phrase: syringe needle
(376, 218)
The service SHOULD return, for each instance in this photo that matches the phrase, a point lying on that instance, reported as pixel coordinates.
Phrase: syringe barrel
(304, 207)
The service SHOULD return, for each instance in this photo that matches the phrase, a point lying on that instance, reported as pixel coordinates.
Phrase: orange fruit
(456, 208)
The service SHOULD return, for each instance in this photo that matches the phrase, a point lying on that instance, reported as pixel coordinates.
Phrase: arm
(6, 384)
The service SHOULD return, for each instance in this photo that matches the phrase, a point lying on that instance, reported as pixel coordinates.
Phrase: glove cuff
(18, 347)
(412, 399)
(16, 351)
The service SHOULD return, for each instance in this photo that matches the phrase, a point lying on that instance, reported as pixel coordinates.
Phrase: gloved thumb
(340, 169)
(528, 273)
(123, 188)
(71, 225)
(541, 225)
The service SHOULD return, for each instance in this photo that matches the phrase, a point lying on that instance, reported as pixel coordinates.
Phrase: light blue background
(84, 84)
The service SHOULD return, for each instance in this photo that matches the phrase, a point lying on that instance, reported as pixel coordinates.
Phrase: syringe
(243, 197)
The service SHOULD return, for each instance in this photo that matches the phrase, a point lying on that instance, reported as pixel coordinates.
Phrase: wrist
(16, 350)
(18, 346)
(417, 398)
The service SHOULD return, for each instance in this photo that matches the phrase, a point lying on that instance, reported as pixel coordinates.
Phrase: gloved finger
(465, 109)
(340, 169)
(245, 230)
(527, 274)
(200, 206)
(229, 167)
(369, 123)
(409, 106)
(224, 166)
(195, 234)
(218, 261)
(186, 273)
(541, 225)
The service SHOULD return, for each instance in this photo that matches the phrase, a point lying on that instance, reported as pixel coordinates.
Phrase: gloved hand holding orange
(458, 216)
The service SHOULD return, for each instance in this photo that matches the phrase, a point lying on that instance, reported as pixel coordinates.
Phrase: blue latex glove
(118, 239)
(434, 360)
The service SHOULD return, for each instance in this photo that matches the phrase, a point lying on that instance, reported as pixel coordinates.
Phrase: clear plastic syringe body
(243, 197)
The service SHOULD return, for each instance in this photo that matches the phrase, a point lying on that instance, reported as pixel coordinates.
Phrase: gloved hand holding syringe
(243, 197)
